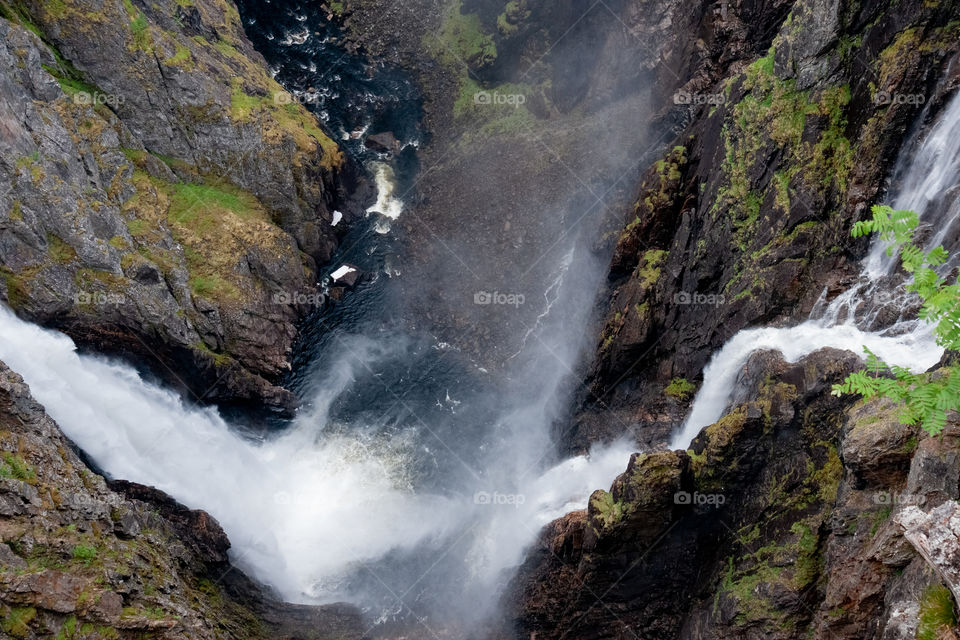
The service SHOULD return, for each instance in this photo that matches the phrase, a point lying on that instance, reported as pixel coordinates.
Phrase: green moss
(937, 614)
(32, 164)
(462, 40)
(827, 478)
(220, 359)
(605, 509)
(182, 58)
(17, 621)
(659, 192)
(278, 114)
(59, 251)
(15, 12)
(878, 518)
(648, 272)
(910, 445)
(773, 112)
(213, 286)
(137, 227)
(336, 8)
(680, 389)
(18, 290)
(807, 565)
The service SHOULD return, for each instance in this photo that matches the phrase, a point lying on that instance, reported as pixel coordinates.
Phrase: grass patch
(937, 614)
(282, 116)
(139, 29)
(17, 468)
(182, 58)
(197, 205)
(462, 40)
(213, 286)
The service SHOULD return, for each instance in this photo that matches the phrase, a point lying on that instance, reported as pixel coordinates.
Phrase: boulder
(384, 142)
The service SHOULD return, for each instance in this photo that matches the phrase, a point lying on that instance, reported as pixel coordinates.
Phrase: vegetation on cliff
(926, 398)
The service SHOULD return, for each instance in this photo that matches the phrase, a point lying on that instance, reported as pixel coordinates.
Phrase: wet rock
(385, 142)
(878, 449)
(196, 528)
(107, 608)
(720, 541)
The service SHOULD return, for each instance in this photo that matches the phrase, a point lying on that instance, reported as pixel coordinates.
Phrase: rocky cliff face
(84, 558)
(165, 198)
(783, 144)
(778, 523)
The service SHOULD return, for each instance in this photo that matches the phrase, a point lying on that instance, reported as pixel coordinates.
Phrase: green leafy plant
(925, 398)
(85, 553)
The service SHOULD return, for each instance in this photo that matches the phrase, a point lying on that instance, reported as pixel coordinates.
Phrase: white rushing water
(930, 186)
(388, 206)
(301, 510)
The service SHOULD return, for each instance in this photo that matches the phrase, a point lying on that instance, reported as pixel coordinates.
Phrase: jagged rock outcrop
(782, 147)
(774, 524)
(164, 196)
(83, 558)
(936, 537)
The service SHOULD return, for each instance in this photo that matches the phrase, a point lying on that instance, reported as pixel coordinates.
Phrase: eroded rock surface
(164, 198)
(771, 526)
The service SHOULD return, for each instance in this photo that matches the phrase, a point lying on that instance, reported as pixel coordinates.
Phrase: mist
(424, 460)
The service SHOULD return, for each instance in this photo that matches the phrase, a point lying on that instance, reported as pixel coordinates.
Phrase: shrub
(925, 398)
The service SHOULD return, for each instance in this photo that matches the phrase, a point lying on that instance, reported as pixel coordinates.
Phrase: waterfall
(929, 184)
(312, 510)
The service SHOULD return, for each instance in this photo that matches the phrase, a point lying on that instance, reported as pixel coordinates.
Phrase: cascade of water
(930, 185)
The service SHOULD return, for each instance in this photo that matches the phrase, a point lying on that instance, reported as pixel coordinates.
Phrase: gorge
(359, 308)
